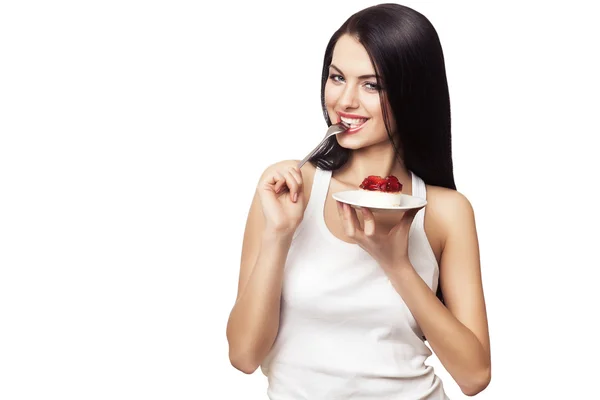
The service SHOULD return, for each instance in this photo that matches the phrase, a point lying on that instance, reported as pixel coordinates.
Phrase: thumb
(409, 216)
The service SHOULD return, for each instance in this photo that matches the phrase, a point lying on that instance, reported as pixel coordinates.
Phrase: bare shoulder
(448, 213)
(448, 206)
(449, 200)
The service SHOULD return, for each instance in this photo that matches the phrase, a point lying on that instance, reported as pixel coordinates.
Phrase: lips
(353, 122)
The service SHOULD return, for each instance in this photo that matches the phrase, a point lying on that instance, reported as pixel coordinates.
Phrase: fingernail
(295, 197)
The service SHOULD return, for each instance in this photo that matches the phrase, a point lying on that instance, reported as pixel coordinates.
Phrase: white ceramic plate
(359, 199)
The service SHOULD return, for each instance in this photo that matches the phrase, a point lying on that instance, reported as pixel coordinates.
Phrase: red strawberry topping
(377, 183)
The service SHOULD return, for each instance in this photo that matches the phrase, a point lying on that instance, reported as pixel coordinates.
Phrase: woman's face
(352, 96)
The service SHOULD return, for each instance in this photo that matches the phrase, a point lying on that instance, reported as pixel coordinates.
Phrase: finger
(297, 174)
(342, 214)
(340, 208)
(346, 223)
(353, 216)
(368, 222)
(270, 182)
(351, 223)
(279, 182)
(409, 216)
(293, 185)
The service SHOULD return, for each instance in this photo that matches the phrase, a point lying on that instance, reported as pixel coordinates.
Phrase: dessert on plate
(381, 192)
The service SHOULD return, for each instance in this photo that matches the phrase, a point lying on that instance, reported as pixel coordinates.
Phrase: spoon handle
(333, 130)
(305, 159)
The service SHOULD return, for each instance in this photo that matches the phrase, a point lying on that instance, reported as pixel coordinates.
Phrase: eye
(336, 78)
(371, 86)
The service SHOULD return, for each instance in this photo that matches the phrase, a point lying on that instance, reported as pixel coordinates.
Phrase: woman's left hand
(389, 249)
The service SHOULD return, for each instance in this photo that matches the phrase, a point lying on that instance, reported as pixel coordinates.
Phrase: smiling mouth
(353, 123)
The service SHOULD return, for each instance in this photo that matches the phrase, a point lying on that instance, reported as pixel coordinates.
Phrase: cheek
(373, 105)
(331, 95)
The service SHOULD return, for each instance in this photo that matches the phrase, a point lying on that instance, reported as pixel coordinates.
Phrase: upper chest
(383, 221)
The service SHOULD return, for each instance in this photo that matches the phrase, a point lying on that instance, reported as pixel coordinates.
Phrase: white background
(133, 135)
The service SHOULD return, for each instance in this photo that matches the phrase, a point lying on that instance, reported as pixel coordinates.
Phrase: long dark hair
(406, 53)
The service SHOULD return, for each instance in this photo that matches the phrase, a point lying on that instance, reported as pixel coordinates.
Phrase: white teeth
(353, 121)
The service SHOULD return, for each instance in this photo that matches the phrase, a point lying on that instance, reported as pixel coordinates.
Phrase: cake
(381, 192)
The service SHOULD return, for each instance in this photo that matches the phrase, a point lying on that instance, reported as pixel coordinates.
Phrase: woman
(335, 303)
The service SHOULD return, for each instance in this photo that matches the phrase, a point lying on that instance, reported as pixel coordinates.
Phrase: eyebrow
(360, 77)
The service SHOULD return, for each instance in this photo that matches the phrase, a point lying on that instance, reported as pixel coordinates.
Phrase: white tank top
(344, 331)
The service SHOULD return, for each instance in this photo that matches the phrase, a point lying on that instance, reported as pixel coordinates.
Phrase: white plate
(359, 199)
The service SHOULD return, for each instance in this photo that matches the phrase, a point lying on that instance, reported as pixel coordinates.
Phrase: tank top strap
(419, 190)
(316, 202)
(318, 193)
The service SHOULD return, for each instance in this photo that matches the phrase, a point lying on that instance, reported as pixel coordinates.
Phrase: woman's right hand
(282, 198)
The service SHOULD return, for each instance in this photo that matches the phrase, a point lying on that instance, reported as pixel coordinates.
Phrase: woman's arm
(254, 320)
(457, 333)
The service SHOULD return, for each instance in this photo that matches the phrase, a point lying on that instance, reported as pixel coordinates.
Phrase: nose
(349, 97)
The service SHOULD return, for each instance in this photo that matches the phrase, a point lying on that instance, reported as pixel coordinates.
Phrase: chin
(356, 142)
(351, 144)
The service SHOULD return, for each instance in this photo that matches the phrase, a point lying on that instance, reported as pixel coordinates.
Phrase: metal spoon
(333, 130)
